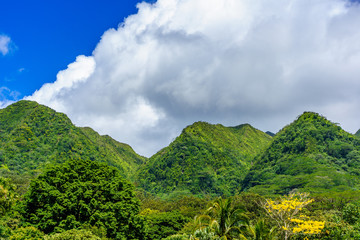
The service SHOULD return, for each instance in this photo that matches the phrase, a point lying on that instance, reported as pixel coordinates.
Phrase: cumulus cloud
(224, 61)
(4, 44)
(54, 94)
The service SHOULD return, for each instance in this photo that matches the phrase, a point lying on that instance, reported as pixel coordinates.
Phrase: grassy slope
(33, 136)
(204, 159)
(312, 154)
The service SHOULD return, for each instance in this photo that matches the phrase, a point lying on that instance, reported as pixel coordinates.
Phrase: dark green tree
(83, 192)
(164, 224)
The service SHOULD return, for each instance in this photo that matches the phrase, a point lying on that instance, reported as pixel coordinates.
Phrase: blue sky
(48, 35)
(142, 78)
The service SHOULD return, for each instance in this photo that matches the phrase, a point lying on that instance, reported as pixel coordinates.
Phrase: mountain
(270, 133)
(33, 136)
(312, 154)
(357, 133)
(204, 159)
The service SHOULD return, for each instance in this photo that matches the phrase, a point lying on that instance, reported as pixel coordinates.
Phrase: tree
(351, 212)
(164, 224)
(26, 233)
(284, 211)
(83, 192)
(7, 196)
(73, 234)
(259, 231)
(223, 218)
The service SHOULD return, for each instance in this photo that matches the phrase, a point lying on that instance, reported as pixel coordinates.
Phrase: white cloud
(66, 80)
(4, 44)
(228, 61)
(7, 97)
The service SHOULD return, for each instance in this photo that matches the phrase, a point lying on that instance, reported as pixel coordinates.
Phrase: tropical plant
(223, 219)
(259, 231)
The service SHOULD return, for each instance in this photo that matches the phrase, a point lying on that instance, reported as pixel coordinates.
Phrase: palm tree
(259, 231)
(223, 219)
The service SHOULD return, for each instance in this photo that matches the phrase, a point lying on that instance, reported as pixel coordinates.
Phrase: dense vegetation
(193, 189)
(311, 154)
(33, 136)
(83, 192)
(204, 159)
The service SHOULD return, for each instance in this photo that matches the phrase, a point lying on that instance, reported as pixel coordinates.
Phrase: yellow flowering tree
(285, 210)
(307, 226)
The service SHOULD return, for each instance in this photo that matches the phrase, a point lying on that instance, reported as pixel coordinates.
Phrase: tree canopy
(83, 192)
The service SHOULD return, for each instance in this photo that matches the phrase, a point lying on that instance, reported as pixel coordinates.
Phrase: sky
(142, 71)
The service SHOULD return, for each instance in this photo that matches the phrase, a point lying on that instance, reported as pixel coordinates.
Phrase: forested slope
(204, 159)
(311, 154)
(34, 136)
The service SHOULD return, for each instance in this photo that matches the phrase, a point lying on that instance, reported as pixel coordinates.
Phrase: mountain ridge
(33, 136)
(312, 154)
(205, 158)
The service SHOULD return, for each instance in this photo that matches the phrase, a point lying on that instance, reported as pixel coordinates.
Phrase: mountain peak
(304, 152)
(204, 159)
(33, 135)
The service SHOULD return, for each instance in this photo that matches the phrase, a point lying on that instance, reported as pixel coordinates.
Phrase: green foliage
(20, 182)
(205, 234)
(250, 202)
(351, 213)
(164, 224)
(83, 192)
(223, 218)
(336, 228)
(33, 136)
(73, 234)
(312, 154)
(7, 196)
(178, 237)
(357, 133)
(26, 233)
(204, 159)
(188, 206)
(257, 231)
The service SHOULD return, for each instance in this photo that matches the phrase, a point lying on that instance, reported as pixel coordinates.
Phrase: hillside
(204, 159)
(33, 136)
(357, 133)
(312, 154)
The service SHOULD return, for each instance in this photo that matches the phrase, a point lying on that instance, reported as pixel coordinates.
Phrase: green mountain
(357, 133)
(270, 133)
(33, 136)
(312, 154)
(204, 159)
